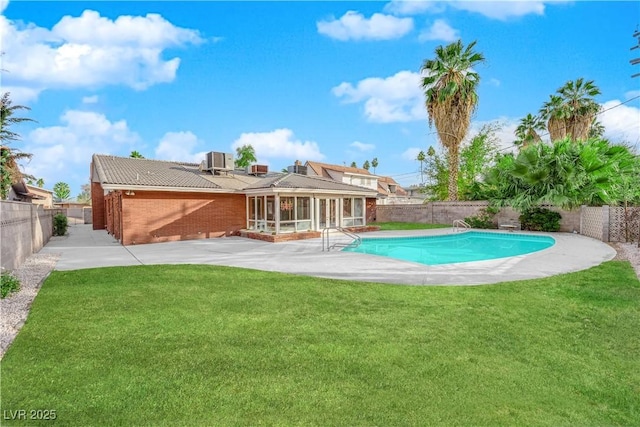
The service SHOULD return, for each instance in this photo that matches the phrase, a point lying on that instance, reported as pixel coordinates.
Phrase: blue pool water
(453, 248)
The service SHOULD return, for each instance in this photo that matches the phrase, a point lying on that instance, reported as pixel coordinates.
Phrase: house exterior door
(328, 213)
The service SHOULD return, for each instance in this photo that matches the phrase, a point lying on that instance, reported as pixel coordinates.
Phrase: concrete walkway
(86, 248)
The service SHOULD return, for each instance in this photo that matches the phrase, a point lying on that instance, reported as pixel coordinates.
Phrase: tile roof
(153, 173)
(127, 171)
(294, 180)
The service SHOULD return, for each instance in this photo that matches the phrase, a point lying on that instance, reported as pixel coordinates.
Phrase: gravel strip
(15, 307)
(630, 252)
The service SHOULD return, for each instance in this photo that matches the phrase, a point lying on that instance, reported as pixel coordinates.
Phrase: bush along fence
(606, 223)
(24, 229)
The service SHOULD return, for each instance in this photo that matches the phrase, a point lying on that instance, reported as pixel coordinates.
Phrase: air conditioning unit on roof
(219, 161)
(257, 169)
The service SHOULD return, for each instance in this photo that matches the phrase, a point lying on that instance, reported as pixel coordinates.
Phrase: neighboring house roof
(383, 181)
(319, 169)
(383, 186)
(122, 173)
(293, 181)
(38, 189)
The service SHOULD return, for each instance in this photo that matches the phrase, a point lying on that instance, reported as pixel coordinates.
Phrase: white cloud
(494, 82)
(3, 5)
(354, 26)
(179, 146)
(622, 124)
(501, 10)
(279, 143)
(397, 98)
(440, 30)
(59, 152)
(90, 99)
(632, 94)
(413, 7)
(410, 154)
(361, 146)
(91, 51)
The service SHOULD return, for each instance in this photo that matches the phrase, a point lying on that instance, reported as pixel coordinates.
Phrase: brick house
(146, 201)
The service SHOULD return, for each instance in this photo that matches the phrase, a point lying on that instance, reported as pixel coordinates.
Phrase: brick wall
(370, 210)
(152, 216)
(97, 205)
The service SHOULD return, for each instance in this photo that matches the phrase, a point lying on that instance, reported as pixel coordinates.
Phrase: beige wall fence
(24, 229)
(609, 224)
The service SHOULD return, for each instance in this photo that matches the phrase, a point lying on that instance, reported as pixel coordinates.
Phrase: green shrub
(540, 219)
(484, 219)
(60, 225)
(8, 284)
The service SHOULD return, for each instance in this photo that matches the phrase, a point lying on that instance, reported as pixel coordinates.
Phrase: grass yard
(386, 226)
(206, 345)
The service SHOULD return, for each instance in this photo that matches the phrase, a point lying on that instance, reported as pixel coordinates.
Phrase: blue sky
(329, 81)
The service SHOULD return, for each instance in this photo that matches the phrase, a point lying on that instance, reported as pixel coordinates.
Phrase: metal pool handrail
(353, 244)
(457, 223)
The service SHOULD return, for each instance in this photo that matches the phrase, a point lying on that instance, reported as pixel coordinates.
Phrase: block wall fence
(606, 223)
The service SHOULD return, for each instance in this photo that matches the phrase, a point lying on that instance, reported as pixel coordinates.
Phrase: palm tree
(554, 112)
(421, 158)
(527, 130)
(581, 108)
(450, 85)
(596, 130)
(9, 167)
(366, 165)
(136, 155)
(353, 165)
(374, 164)
(40, 182)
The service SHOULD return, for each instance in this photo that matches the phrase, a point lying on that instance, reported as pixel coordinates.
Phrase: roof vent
(219, 161)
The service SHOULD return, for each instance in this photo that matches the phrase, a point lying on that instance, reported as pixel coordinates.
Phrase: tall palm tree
(581, 108)
(554, 112)
(527, 130)
(136, 155)
(421, 158)
(450, 85)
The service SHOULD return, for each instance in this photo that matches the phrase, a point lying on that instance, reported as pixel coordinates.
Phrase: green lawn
(385, 226)
(206, 345)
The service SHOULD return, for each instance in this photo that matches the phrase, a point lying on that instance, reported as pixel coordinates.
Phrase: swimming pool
(454, 248)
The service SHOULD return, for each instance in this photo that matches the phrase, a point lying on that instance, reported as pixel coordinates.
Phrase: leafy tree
(61, 191)
(374, 164)
(450, 85)
(353, 165)
(85, 195)
(40, 182)
(245, 156)
(136, 155)
(476, 157)
(10, 157)
(366, 165)
(527, 130)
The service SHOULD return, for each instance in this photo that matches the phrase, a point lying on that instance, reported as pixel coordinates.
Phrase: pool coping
(87, 248)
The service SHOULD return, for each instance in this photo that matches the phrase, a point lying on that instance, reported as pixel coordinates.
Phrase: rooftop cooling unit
(219, 161)
(257, 169)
